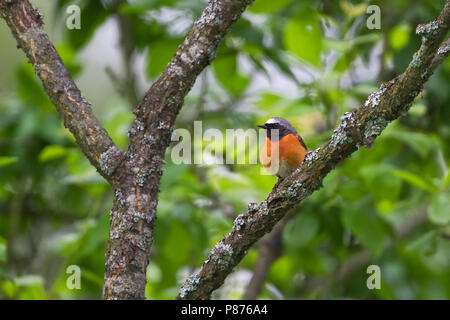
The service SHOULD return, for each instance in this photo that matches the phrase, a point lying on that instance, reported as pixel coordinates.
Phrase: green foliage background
(388, 206)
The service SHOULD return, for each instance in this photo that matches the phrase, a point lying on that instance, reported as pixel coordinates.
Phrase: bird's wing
(301, 141)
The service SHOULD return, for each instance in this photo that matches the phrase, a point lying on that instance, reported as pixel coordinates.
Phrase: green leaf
(2, 250)
(251, 34)
(4, 161)
(93, 14)
(379, 177)
(139, 7)
(178, 243)
(226, 71)
(366, 228)
(366, 38)
(96, 234)
(447, 179)
(29, 89)
(52, 152)
(301, 230)
(92, 277)
(282, 65)
(352, 190)
(160, 54)
(425, 242)
(345, 45)
(267, 100)
(303, 37)
(399, 36)
(268, 6)
(439, 210)
(118, 122)
(415, 180)
(353, 10)
(281, 270)
(337, 44)
(418, 142)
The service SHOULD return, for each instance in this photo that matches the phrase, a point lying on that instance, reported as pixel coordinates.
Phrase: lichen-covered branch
(26, 23)
(136, 193)
(357, 128)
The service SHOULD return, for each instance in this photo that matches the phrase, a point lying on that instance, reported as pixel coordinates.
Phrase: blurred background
(307, 61)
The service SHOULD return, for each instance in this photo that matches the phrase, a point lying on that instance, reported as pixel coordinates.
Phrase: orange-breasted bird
(291, 148)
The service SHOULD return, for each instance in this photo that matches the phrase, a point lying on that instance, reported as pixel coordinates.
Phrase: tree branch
(139, 176)
(358, 128)
(26, 23)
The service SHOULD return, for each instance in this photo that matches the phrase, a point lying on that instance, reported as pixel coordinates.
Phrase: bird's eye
(273, 125)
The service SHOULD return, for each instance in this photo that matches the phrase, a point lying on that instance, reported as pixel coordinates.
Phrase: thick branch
(358, 128)
(134, 210)
(25, 23)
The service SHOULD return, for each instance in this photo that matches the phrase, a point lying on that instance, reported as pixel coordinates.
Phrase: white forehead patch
(271, 121)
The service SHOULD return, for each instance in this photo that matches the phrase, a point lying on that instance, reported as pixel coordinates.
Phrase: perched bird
(291, 148)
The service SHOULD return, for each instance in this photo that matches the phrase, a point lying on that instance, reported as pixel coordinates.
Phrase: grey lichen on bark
(357, 128)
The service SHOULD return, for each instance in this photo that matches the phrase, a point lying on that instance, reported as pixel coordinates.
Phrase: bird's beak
(262, 126)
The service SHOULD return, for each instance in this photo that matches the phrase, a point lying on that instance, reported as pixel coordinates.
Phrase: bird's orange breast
(290, 152)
